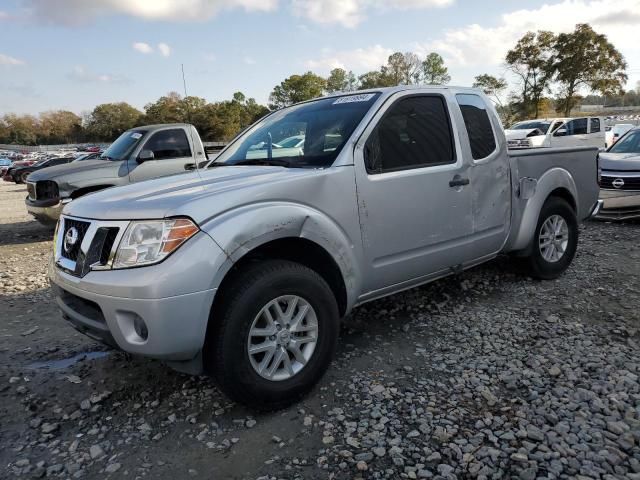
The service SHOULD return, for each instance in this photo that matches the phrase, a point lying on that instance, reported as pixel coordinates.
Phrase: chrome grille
(620, 183)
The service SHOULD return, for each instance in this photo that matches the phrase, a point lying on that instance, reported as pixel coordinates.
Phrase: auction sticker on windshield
(363, 97)
(136, 135)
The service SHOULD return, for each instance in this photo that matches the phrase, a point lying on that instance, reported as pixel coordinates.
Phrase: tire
(549, 262)
(23, 177)
(240, 310)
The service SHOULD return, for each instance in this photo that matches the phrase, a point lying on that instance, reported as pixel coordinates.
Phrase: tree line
(548, 71)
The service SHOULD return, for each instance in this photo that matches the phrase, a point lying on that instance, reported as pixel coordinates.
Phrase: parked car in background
(5, 163)
(617, 131)
(20, 174)
(7, 177)
(244, 269)
(87, 156)
(557, 132)
(138, 154)
(620, 178)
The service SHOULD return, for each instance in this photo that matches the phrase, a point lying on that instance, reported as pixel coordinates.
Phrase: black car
(20, 174)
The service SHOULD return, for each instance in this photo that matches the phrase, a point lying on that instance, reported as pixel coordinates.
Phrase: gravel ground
(487, 374)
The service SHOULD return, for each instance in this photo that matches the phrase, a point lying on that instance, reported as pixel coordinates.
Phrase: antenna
(191, 127)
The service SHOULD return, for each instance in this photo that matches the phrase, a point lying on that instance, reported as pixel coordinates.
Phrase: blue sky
(75, 54)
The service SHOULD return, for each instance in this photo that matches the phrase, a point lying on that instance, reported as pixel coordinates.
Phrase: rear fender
(551, 180)
(241, 230)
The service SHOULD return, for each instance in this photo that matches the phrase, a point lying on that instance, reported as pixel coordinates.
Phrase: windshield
(543, 126)
(630, 143)
(308, 135)
(122, 147)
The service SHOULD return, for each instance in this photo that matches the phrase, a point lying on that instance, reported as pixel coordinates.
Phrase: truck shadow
(19, 233)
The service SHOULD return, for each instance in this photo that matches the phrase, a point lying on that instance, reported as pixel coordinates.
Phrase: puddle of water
(68, 362)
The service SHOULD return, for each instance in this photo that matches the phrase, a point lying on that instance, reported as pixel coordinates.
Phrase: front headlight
(151, 241)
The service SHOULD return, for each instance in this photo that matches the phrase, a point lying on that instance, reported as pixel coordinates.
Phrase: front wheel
(555, 240)
(23, 177)
(272, 334)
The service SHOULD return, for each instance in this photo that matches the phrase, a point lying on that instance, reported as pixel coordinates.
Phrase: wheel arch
(556, 182)
(288, 231)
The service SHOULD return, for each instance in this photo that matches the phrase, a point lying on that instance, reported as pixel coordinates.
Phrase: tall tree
(297, 88)
(586, 59)
(375, 79)
(341, 81)
(61, 126)
(530, 61)
(402, 68)
(434, 71)
(108, 120)
(492, 86)
(20, 129)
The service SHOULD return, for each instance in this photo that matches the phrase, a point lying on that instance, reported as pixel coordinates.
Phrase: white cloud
(209, 57)
(79, 11)
(164, 49)
(81, 74)
(249, 60)
(476, 45)
(359, 59)
(3, 15)
(350, 13)
(6, 60)
(143, 47)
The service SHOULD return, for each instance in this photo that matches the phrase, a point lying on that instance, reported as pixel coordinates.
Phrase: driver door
(171, 155)
(574, 133)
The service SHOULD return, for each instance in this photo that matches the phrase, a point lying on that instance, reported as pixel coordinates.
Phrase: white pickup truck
(244, 269)
(557, 132)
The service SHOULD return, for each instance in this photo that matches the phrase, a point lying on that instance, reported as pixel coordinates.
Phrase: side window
(595, 125)
(478, 124)
(59, 161)
(415, 132)
(169, 144)
(577, 126)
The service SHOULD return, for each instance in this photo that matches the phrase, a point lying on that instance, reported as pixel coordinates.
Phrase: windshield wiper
(277, 162)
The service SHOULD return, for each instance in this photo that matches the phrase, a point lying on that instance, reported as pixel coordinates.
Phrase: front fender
(243, 229)
(550, 180)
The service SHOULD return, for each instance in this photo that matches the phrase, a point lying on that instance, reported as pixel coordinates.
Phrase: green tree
(20, 129)
(297, 88)
(402, 69)
(59, 126)
(586, 59)
(492, 86)
(108, 120)
(531, 62)
(341, 81)
(434, 71)
(374, 79)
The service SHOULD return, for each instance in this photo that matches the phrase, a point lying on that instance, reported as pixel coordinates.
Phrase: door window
(478, 124)
(171, 143)
(415, 132)
(595, 125)
(576, 127)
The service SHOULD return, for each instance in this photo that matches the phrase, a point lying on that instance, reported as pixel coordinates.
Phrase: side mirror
(561, 132)
(145, 155)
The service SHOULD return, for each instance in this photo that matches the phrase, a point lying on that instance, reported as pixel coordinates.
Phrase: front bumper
(619, 205)
(172, 300)
(46, 212)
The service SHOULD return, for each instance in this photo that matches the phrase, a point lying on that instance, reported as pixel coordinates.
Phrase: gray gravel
(485, 375)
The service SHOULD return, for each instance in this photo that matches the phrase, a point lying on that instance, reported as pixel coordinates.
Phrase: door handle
(458, 181)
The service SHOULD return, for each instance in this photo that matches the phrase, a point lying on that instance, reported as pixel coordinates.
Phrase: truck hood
(198, 195)
(518, 134)
(620, 161)
(57, 171)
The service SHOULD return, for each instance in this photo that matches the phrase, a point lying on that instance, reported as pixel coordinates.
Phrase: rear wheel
(272, 334)
(555, 240)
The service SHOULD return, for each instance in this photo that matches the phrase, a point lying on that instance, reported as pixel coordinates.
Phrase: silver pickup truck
(138, 154)
(243, 269)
